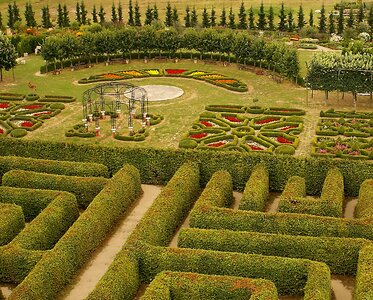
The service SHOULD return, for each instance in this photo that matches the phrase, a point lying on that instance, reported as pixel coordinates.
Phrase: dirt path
(308, 133)
(104, 256)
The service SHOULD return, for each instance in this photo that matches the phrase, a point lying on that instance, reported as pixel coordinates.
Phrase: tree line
(264, 19)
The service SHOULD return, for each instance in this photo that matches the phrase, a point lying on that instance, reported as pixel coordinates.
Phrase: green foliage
(58, 266)
(18, 133)
(256, 190)
(285, 149)
(199, 286)
(84, 188)
(340, 254)
(12, 222)
(188, 144)
(363, 288)
(364, 207)
(7, 54)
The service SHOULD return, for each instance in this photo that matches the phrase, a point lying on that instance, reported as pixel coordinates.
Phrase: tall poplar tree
(187, 17)
(213, 17)
(223, 18)
(205, 18)
(10, 16)
(101, 14)
(331, 23)
(290, 21)
(83, 13)
(120, 12)
(351, 19)
(242, 17)
(30, 15)
(194, 18)
(155, 12)
(251, 18)
(131, 21)
(168, 17)
(114, 16)
(78, 17)
(310, 20)
(231, 17)
(282, 17)
(301, 20)
(137, 14)
(60, 21)
(66, 19)
(271, 18)
(148, 15)
(322, 20)
(261, 18)
(175, 16)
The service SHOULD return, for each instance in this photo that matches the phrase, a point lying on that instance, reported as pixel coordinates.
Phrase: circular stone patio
(162, 92)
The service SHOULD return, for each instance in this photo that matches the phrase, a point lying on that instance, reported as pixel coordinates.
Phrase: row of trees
(246, 19)
(8, 55)
(127, 40)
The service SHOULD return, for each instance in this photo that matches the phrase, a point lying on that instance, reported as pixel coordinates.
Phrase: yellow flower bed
(132, 73)
(197, 73)
(152, 72)
(212, 76)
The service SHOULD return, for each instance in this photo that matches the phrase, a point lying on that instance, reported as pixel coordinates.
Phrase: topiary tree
(322, 20)
(187, 17)
(231, 24)
(205, 18)
(301, 21)
(271, 17)
(213, 17)
(223, 18)
(261, 18)
(8, 55)
(251, 18)
(282, 18)
(242, 18)
(168, 17)
(194, 18)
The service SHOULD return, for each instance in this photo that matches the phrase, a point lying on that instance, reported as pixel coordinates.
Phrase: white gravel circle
(162, 92)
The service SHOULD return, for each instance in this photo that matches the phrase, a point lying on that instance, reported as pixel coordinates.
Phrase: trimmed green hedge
(340, 254)
(11, 96)
(59, 265)
(50, 225)
(63, 99)
(12, 222)
(158, 165)
(183, 286)
(291, 276)
(32, 201)
(84, 188)
(364, 278)
(70, 168)
(256, 191)
(332, 194)
(364, 207)
(19, 132)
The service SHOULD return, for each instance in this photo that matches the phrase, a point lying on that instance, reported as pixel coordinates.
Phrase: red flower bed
(206, 123)
(4, 105)
(288, 127)
(33, 106)
(217, 144)
(175, 71)
(1, 131)
(256, 148)
(27, 124)
(354, 153)
(198, 135)
(233, 119)
(265, 121)
(283, 140)
(42, 113)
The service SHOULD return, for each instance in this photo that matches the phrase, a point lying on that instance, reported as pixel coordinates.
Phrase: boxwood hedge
(340, 254)
(12, 222)
(84, 188)
(364, 278)
(183, 286)
(59, 265)
(364, 207)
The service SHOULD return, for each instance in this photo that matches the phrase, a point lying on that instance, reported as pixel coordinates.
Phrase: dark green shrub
(63, 99)
(57, 106)
(255, 109)
(84, 188)
(364, 286)
(18, 133)
(50, 225)
(188, 144)
(32, 97)
(226, 108)
(11, 96)
(332, 194)
(285, 149)
(284, 111)
(256, 191)
(364, 207)
(340, 254)
(59, 265)
(12, 222)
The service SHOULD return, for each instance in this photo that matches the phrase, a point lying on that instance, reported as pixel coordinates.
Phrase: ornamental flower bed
(207, 123)
(232, 119)
(152, 72)
(265, 121)
(4, 105)
(111, 76)
(198, 135)
(175, 71)
(133, 73)
(283, 140)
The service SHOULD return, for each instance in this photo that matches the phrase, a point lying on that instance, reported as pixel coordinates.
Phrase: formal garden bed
(230, 128)
(210, 77)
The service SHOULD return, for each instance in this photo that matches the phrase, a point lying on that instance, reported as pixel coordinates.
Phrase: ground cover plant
(246, 129)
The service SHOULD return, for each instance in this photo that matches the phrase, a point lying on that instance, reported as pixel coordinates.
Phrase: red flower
(1, 131)
(265, 121)
(232, 119)
(175, 71)
(217, 144)
(255, 148)
(283, 140)
(33, 106)
(198, 135)
(288, 127)
(4, 105)
(41, 113)
(206, 123)
(27, 124)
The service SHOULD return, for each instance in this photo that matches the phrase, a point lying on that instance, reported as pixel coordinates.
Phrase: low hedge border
(226, 108)
(256, 191)
(68, 168)
(50, 225)
(53, 98)
(36, 123)
(32, 201)
(84, 188)
(364, 207)
(12, 222)
(59, 265)
(340, 254)
(268, 146)
(200, 286)
(345, 114)
(364, 278)
(11, 96)
(284, 111)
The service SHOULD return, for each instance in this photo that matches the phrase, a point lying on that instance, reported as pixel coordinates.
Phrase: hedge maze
(51, 207)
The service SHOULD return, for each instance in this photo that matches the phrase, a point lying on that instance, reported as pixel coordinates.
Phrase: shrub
(50, 225)
(364, 285)
(64, 99)
(12, 222)
(256, 190)
(364, 207)
(57, 106)
(32, 97)
(188, 144)
(18, 133)
(340, 254)
(226, 108)
(200, 286)
(332, 194)
(285, 149)
(59, 265)
(11, 96)
(84, 188)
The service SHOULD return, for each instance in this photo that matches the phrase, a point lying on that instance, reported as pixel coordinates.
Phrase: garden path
(101, 259)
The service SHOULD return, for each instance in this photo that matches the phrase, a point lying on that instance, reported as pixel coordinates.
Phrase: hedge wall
(84, 188)
(192, 286)
(8, 163)
(32, 201)
(158, 165)
(364, 207)
(50, 225)
(364, 278)
(340, 254)
(12, 222)
(156, 227)
(58, 266)
(332, 194)
(256, 190)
